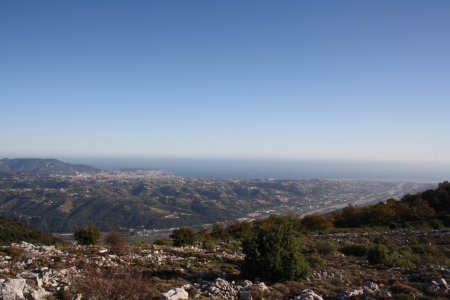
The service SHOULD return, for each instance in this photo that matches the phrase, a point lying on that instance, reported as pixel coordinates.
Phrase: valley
(154, 199)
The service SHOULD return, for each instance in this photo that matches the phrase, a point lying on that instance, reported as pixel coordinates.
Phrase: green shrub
(424, 249)
(315, 261)
(377, 254)
(274, 252)
(208, 244)
(423, 210)
(385, 240)
(240, 230)
(219, 232)
(358, 250)
(399, 262)
(326, 248)
(203, 235)
(183, 236)
(141, 244)
(316, 222)
(163, 242)
(426, 254)
(88, 235)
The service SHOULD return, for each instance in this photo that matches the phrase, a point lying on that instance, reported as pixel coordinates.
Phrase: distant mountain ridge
(43, 167)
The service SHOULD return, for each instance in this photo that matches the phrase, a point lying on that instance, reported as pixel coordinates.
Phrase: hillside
(428, 208)
(414, 265)
(153, 199)
(43, 167)
(339, 263)
(12, 231)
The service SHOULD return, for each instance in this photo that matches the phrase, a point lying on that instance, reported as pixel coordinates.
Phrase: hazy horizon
(259, 168)
(231, 168)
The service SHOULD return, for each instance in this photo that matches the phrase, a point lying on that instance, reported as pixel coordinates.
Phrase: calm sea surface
(279, 169)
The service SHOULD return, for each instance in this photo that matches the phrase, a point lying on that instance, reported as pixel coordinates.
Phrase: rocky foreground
(149, 271)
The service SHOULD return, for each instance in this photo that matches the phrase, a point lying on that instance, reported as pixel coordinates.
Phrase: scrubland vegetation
(15, 231)
(393, 250)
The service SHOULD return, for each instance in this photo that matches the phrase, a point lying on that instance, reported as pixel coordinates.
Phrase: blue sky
(362, 80)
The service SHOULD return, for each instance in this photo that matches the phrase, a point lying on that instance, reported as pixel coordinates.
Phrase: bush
(163, 242)
(183, 236)
(205, 238)
(358, 250)
(88, 235)
(208, 245)
(218, 232)
(203, 235)
(377, 254)
(118, 243)
(399, 262)
(326, 248)
(315, 261)
(388, 242)
(316, 222)
(240, 230)
(274, 252)
(424, 249)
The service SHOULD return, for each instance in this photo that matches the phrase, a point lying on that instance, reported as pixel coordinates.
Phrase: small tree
(183, 236)
(274, 252)
(377, 254)
(316, 222)
(88, 235)
(240, 229)
(219, 232)
(118, 242)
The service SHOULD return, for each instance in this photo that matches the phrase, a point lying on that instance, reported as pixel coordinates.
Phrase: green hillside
(13, 231)
(429, 208)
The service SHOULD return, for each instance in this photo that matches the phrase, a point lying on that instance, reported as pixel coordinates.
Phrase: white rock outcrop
(175, 294)
(12, 289)
(308, 294)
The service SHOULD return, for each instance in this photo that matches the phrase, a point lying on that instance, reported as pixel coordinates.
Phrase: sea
(228, 168)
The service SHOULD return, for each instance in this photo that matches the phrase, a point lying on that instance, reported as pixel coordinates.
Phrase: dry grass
(131, 284)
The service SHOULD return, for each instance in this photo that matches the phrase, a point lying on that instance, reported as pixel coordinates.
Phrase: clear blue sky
(266, 79)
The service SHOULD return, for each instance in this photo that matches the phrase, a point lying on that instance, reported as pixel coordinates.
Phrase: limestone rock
(34, 277)
(354, 293)
(308, 294)
(39, 294)
(246, 284)
(12, 289)
(262, 286)
(175, 294)
(371, 286)
(442, 282)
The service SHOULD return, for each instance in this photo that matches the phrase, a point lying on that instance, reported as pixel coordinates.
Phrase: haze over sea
(279, 169)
